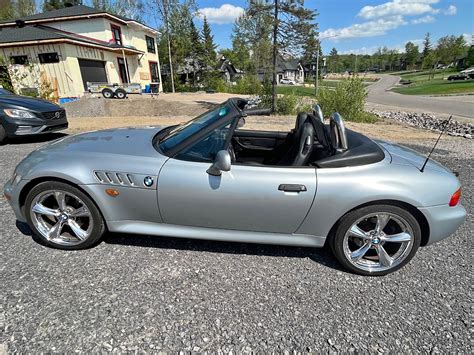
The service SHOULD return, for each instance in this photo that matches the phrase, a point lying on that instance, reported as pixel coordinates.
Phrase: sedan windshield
(183, 131)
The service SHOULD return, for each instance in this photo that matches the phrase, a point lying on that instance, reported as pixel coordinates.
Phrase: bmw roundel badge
(148, 181)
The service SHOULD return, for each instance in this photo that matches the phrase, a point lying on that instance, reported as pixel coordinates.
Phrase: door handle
(292, 188)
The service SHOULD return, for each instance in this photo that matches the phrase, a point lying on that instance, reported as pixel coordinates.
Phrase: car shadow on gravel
(321, 256)
(41, 138)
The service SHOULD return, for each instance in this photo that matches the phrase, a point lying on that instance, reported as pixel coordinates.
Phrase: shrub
(248, 84)
(286, 104)
(348, 98)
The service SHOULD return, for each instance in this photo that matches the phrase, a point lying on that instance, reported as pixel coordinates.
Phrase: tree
(6, 10)
(333, 60)
(251, 38)
(208, 43)
(450, 48)
(292, 23)
(426, 45)
(411, 54)
(311, 48)
(430, 61)
(125, 8)
(49, 5)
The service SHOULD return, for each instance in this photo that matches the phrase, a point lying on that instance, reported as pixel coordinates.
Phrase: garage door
(92, 70)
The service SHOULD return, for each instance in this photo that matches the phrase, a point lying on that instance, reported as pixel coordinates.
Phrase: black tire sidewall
(99, 225)
(3, 134)
(337, 240)
(109, 92)
(120, 92)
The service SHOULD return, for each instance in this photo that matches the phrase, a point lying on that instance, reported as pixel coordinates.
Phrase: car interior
(309, 143)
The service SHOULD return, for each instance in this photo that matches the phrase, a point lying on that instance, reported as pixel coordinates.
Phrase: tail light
(455, 198)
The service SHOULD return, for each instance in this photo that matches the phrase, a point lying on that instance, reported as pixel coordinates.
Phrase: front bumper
(25, 127)
(443, 220)
(11, 191)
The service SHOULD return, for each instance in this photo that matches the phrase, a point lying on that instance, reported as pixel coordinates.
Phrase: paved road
(460, 106)
(134, 293)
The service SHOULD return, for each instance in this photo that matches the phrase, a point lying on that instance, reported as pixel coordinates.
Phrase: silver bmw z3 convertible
(370, 201)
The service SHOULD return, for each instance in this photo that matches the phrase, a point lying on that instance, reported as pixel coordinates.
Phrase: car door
(250, 198)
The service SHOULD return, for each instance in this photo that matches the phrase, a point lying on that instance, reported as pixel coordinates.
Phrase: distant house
(71, 46)
(285, 69)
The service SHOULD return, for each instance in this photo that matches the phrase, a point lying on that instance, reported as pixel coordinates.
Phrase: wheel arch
(34, 182)
(416, 213)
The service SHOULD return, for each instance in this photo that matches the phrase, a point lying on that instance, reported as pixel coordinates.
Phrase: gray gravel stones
(428, 121)
(149, 294)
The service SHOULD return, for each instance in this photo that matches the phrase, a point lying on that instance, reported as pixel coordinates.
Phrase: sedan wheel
(63, 217)
(376, 240)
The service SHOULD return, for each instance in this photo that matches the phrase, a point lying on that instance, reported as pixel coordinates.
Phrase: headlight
(15, 113)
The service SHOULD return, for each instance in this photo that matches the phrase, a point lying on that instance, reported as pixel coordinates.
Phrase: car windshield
(183, 131)
(5, 92)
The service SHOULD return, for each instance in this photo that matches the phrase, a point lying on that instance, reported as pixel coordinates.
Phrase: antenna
(432, 149)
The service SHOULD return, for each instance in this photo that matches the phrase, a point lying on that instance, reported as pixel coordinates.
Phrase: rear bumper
(15, 127)
(443, 220)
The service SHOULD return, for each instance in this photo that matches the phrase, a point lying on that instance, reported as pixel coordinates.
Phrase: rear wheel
(107, 93)
(63, 216)
(376, 240)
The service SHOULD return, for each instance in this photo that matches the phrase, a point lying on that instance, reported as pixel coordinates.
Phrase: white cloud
(227, 13)
(367, 29)
(424, 19)
(469, 38)
(398, 7)
(450, 11)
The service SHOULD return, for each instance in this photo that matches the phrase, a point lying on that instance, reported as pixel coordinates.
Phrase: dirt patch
(145, 105)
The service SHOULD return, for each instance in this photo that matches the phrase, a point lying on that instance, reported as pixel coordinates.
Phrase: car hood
(29, 103)
(121, 141)
(405, 156)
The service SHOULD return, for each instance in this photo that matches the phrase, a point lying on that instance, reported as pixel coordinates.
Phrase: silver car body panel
(243, 204)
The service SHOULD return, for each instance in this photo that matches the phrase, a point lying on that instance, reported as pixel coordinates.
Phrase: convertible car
(370, 201)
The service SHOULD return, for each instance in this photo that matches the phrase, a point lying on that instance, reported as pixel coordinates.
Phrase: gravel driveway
(151, 293)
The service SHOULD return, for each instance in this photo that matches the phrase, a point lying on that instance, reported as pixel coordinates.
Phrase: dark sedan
(23, 115)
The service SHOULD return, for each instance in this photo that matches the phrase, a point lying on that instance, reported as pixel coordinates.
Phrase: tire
(75, 232)
(362, 250)
(107, 94)
(3, 135)
(120, 94)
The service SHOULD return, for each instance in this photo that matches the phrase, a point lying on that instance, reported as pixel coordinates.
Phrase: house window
(150, 44)
(117, 34)
(155, 78)
(19, 59)
(48, 57)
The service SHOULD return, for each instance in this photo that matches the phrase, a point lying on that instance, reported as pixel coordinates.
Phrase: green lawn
(421, 85)
(307, 90)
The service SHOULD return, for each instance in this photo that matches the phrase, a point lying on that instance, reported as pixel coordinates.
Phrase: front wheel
(376, 240)
(63, 217)
(3, 134)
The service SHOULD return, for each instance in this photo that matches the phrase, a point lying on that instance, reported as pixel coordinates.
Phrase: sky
(362, 26)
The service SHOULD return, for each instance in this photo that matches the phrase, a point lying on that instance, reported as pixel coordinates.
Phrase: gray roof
(25, 34)
(39, 33)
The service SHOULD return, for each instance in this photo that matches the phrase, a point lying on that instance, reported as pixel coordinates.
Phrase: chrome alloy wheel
(61, 217)
(378, 241)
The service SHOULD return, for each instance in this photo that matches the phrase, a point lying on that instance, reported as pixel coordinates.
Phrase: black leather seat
(302, 144)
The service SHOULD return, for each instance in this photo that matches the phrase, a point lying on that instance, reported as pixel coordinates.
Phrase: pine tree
(49, 5)
(208, 42)
(334, 58)
(426, 45)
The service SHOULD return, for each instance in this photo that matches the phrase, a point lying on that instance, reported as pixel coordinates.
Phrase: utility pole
(316, 75)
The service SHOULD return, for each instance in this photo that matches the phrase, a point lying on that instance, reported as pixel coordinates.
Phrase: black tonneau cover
(362, 151)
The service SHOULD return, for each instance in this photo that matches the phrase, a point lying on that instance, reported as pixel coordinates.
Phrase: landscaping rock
(428, 121)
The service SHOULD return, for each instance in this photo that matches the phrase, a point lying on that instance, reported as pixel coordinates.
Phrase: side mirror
(241, 122)
(221, 163)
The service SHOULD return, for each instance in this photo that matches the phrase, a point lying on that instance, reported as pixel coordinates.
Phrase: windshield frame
(234, 111)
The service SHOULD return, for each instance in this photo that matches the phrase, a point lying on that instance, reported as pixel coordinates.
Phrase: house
(68, 47)
(285, 69)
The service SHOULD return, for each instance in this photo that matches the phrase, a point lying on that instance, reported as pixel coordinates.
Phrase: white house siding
(93, 27)
(54, 72)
